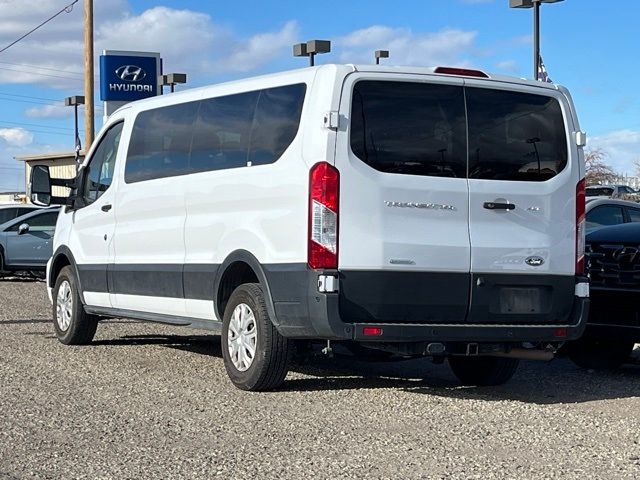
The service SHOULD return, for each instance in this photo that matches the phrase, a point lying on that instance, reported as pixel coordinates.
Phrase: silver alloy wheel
(64, 306)
(242, 337)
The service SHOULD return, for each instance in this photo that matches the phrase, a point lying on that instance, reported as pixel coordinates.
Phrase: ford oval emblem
(534, 261)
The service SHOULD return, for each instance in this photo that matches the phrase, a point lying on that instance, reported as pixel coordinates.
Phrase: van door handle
(499, 206)
(106, 207)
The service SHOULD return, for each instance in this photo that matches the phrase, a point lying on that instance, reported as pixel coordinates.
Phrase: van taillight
(580, 226)
(324, 191)
(463, 72)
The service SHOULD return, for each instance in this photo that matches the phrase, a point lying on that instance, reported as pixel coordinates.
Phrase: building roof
(49, 156)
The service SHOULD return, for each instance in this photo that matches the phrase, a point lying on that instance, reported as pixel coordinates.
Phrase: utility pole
(88, 74)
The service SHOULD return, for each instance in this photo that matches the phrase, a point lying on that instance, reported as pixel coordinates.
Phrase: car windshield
(599, 191)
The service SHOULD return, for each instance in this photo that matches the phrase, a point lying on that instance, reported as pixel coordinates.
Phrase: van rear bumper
(303, 312)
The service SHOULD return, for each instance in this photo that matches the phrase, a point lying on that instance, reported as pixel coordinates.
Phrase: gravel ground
(151, 401)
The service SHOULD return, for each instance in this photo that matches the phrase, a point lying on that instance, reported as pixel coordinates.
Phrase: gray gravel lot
(151, 401)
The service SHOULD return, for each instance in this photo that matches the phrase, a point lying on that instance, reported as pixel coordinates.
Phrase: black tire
(81, 326)
(483, 371)
(599, 354)
(270, 363)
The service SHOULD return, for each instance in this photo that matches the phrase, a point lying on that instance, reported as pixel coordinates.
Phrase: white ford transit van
(417, 211)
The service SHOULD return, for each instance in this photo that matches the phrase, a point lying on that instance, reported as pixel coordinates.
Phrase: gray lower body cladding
(408, 306)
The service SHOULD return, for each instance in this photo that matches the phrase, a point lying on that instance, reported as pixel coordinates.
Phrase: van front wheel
(72, 324)
(256, 356)
(483, 371)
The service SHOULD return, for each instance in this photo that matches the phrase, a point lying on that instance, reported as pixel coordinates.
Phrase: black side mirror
(40, 191)
(23, 228)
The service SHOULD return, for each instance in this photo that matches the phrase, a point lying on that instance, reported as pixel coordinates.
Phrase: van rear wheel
(483, 371)
(256, 356)
(72, 324)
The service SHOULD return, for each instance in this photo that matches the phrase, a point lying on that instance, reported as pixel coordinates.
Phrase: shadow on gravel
(558, 381)
(20, 322)
(200, 344)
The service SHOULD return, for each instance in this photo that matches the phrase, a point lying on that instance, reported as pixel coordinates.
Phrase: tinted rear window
(421, 129)
(410, 128)
(515, 136)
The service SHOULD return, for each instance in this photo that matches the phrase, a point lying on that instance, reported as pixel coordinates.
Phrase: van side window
(515, 135)
(160, 143)
(276, 122)
(222, 132)
(410, 128)
(99, 171)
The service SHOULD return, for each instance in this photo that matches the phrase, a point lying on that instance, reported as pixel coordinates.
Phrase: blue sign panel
(128, 78)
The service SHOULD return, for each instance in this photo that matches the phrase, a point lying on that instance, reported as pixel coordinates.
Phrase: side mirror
(23, 228)
(40, 191)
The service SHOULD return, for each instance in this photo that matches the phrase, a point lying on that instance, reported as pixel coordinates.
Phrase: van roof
(311, 71)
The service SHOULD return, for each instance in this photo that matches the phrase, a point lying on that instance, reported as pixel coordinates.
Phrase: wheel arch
(61, 258)
(240, 267)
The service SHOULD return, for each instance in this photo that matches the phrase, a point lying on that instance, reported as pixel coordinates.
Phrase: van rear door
(404, 249)
(523, 172)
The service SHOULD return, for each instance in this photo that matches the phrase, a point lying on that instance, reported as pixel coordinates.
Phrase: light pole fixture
(74, 101)
(172, 79)
(311, 49)
(535, 4)
(381, 54)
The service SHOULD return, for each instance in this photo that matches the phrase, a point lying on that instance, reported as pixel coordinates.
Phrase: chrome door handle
(106, 207)
(499, 206)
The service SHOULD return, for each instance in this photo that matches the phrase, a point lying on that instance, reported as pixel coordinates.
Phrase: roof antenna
(381, 54)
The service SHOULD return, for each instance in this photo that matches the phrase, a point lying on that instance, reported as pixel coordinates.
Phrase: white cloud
(622, 148)
(446, 47)
(49, 111)
(16, 137)
(508, 66)
(189, 41)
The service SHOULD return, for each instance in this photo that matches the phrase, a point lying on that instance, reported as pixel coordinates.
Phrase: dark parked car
(613, 265)
(26, 241)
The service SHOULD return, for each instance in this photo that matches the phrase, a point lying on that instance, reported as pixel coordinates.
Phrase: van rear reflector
(463, 72)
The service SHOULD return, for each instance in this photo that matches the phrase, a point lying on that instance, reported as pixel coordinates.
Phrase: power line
(41, 68)
(57, 101)
(67, 9)
(36, 125)
(41, 74)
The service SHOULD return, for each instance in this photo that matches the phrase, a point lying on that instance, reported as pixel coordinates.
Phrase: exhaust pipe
(525, 354)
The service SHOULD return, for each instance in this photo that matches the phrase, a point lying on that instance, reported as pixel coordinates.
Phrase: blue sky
(590, 46)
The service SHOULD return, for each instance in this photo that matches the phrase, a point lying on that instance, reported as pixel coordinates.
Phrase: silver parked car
(622, 192)
(26, 242)
(603, 212)
(13, 210)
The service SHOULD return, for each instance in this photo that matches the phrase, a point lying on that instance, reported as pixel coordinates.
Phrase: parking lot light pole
(535, 4)
(74, 101)
(311, 49)
(173, 79)
(381, 54)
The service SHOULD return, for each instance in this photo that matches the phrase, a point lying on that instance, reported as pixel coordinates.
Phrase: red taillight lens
(372, 331)
(324, 193)
(463, 72)
(580, 225)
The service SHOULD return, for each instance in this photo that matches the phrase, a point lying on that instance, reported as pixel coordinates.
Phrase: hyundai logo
(534, 261)
(626, 255)
(130, 73)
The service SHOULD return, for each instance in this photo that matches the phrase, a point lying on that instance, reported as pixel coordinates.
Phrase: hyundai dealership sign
(128, 77)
